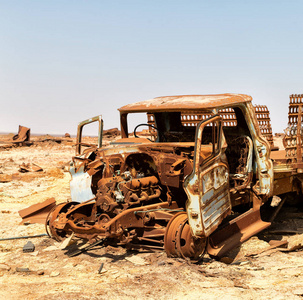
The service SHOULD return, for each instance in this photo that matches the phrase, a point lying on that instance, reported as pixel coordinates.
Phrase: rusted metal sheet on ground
(22, 136)
(37, 213)
(29, 167)
(9, 177)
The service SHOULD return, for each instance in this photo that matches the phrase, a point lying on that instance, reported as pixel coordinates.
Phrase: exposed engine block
(136, 196)
(124, 191)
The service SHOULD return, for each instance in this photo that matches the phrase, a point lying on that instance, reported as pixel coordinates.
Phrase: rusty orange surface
(186, 102)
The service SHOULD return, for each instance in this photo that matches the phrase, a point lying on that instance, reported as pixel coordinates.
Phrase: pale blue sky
(65, 61)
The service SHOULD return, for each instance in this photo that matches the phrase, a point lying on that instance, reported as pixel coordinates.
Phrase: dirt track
(51, 274)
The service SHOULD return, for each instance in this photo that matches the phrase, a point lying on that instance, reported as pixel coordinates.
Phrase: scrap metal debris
(29, 247)
(23, 237)
(37, 213)
(100, 269)
(111, 133)
(49, 138)
(4, 178)
(85, 248)
(29, 167)
(20, 269)
(22, 136)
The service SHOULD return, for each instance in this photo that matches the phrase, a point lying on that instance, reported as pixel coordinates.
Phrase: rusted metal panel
(262, 114)
(80, 129)
(179, 242)
(207, 187)
(278, 157)
(236, 232)
(186, 102)
(23, 135)
(80, 185)
(283, 182)
(293, 140)
(193, 118)
(29, 167)
(264, 185)
(215, 201)
(37, 213)
(240, 163)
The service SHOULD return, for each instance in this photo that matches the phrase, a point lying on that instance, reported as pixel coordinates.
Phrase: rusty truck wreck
(195, 185)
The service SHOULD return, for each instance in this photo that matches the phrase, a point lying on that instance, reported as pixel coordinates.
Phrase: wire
(24, 237)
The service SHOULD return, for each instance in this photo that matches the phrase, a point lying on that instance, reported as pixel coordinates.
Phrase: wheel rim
(178, 240)
(52, 216)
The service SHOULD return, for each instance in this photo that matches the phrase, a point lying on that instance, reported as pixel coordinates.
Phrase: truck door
(80, 144)
(81, 182)
(207, 187)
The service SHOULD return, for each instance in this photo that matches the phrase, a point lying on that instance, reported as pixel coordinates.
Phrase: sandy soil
(49, 273)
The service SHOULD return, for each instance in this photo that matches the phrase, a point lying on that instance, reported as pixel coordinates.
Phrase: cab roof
(186, 102)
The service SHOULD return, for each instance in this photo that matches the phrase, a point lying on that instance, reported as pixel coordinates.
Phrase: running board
(236, 232)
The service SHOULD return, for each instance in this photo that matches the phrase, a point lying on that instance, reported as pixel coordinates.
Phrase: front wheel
(178, 240)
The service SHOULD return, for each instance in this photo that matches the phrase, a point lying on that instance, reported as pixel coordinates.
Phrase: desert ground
(252, 271)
